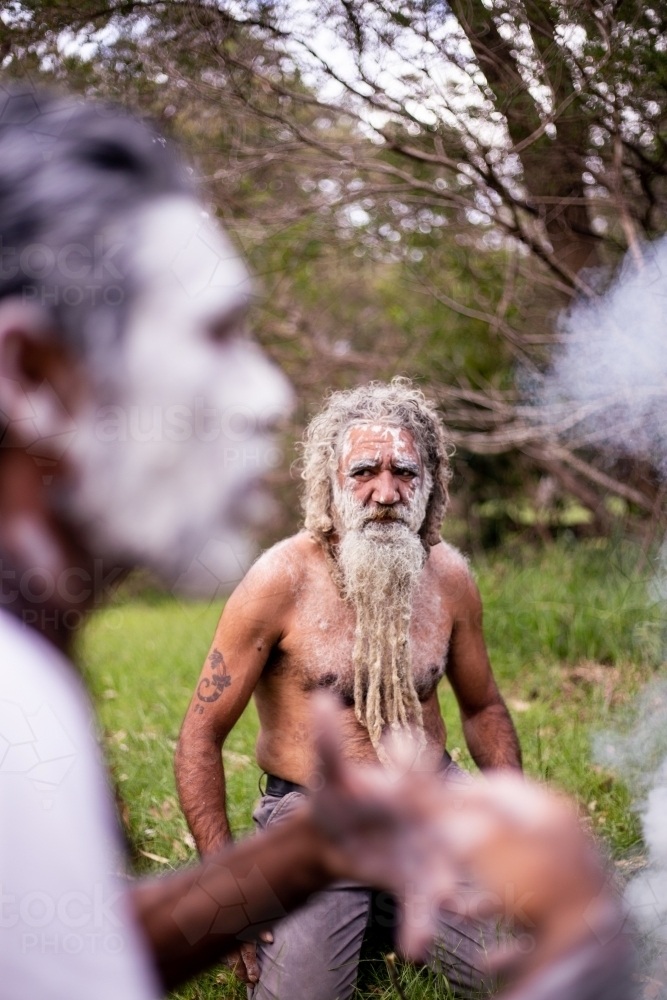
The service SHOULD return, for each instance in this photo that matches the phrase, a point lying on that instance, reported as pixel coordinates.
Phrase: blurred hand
(509, 832)
(383, 830)
(418, 837)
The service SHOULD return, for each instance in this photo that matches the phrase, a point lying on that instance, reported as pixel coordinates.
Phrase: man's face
(164, 469)
(380, 476)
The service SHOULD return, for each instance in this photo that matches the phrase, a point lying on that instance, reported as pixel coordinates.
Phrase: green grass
(572, 633)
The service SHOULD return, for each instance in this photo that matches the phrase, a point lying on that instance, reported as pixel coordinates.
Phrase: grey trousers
(315, 951)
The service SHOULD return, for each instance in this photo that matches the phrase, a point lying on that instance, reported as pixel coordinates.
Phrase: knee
(303, 975)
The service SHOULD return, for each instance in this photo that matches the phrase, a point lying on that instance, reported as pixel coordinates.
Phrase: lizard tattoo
(210, 690)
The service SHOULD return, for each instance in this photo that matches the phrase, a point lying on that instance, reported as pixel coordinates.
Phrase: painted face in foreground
(164, 473)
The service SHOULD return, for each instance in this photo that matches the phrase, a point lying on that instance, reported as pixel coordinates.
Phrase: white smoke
(608, 385)
(607, 388)
(637, 753)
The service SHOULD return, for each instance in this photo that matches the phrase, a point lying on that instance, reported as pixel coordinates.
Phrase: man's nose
(385, 491)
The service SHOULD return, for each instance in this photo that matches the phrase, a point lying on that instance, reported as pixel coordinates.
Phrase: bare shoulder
(449, 561)
(452, 571)
(278, 574)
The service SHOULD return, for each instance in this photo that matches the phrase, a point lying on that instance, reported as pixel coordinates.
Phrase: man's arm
(487, 726)
(249, 627)
(193, 918)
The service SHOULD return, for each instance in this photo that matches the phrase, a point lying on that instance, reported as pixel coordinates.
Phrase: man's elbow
(492, 737)
(491, 706)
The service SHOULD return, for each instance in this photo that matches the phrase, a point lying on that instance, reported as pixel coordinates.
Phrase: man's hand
(383, 830)
(417, 836)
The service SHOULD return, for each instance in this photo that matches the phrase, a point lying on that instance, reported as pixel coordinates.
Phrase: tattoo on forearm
(211, 689)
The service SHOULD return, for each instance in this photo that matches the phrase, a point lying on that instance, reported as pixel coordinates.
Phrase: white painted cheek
(192, 278)
(411, 488)
(164, 350)
(234, 378)
(168, 344)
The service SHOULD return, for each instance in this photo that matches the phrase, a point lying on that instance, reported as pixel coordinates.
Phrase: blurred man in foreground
(116, 292)
(368, 602)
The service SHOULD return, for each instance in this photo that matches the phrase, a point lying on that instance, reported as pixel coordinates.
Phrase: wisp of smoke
(636, 751)
(638, 755)
(608, 385)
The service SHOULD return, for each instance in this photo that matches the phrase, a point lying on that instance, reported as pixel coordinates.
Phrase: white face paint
(353, 514)
(162, 475)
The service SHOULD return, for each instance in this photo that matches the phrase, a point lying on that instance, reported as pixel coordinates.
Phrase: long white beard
(380, 563)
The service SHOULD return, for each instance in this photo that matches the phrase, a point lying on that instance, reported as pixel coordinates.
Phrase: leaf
(155, 857)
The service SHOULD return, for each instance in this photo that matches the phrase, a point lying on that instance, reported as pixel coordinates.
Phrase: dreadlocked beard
(379, 562)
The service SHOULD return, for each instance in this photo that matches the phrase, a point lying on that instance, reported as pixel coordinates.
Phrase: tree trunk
(552, 167)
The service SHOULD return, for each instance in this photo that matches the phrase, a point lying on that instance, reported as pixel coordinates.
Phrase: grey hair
(69, 171)
(398, 403)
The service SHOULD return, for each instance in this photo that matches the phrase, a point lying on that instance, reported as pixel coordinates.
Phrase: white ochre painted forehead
(180, 246)
(401, 439)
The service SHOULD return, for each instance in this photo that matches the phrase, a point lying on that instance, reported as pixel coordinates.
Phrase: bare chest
(317, 651)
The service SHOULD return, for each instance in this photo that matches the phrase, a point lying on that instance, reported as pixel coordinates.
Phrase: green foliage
(572, 633)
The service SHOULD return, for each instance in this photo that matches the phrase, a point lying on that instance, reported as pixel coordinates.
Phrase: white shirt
(66, 928)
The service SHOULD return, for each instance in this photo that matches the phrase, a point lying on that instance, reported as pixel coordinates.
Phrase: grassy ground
(572, 633)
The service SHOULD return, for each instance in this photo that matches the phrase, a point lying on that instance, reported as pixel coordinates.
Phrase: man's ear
(41, 382)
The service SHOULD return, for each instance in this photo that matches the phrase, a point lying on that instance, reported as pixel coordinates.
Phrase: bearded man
(370, 603)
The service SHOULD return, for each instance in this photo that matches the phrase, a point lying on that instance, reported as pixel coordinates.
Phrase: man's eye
(406, 473)
(223, 331)
(228, 325)
(363, 473)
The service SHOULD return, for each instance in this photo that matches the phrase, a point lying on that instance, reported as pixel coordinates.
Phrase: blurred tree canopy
(421, 187)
